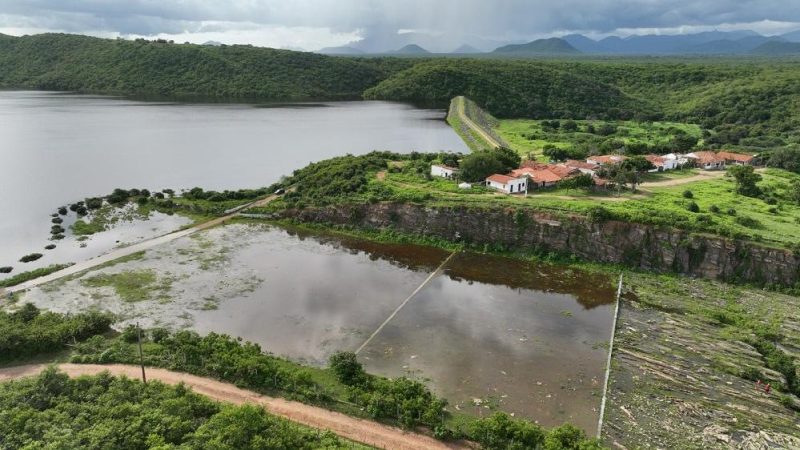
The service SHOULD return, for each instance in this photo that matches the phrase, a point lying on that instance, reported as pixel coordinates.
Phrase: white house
(707, 160)
(661, 163)
(508, 184)
(440, 170)
(680, 160)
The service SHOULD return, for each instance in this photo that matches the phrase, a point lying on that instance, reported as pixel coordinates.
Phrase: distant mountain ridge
(539, 47)
(776, 48)
(709, 42)
(411, 49)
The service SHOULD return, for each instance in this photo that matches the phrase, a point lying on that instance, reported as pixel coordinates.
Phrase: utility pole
(141, 356)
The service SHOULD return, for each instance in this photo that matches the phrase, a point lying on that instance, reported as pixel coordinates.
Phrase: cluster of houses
(539, 175)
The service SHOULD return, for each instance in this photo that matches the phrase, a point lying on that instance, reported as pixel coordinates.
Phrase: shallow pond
(486, 331)
(58, 148)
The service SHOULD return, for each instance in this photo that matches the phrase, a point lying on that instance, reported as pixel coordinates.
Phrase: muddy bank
(635, 245)
(681, 379)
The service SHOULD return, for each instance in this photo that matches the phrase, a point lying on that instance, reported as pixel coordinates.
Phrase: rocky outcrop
(636, 245)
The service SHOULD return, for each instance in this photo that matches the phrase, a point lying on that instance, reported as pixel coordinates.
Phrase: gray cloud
(443, 23)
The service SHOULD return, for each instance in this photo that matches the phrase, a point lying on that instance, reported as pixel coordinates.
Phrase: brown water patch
(493, 332)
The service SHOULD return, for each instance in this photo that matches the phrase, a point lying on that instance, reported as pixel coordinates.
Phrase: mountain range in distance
(705, 43)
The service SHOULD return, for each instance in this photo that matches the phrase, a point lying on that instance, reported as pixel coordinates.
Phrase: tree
(682, 142)
(478, 165)
(746, 179)
(569, 125)
(509, 158)
(555, 153)
(347, 368)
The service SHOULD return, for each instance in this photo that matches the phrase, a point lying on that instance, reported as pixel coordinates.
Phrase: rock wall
(635, 245)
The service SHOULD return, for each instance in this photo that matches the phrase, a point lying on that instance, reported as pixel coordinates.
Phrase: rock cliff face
(635, 245)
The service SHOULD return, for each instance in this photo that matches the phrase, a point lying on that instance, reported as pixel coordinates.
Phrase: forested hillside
(81, 63)
(510, 89)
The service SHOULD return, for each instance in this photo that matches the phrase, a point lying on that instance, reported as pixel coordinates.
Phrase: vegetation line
(408, 299)
(608, 363)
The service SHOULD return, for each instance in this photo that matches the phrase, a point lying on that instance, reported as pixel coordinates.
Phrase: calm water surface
(59, 148)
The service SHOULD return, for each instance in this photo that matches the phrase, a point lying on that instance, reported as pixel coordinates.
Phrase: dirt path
(135, 248)
(473, 126)
(354, 429)
(702, 176)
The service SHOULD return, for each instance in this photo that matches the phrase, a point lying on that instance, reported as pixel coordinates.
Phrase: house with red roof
(707, 160)
(509, 184)
(739, 159)
(583, 166)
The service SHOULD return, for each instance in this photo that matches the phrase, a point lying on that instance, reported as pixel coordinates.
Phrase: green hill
(776, 48)
(550, 46)
(508, 89)
(87, 64)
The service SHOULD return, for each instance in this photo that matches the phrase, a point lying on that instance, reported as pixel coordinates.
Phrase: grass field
(528, 137)
(774, 221)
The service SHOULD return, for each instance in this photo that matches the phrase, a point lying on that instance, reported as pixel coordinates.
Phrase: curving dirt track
(354, 429)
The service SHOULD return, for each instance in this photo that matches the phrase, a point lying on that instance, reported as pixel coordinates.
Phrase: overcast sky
(312, 24)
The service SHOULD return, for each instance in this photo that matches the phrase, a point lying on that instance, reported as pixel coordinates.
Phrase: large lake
(59, 148)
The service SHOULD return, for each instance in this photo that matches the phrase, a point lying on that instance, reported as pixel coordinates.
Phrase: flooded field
(485, 331)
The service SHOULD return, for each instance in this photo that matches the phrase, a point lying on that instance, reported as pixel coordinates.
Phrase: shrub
(6, 269)
(688, 194)
(598, 214)
(346, 367)
(692, 207)
(714, 209)
(57, 229)
(50, 246)
(57, 220)
(731, 212)
(94, 203)
(63, 210)
(773, 210)
(748, 222)
(30, 258)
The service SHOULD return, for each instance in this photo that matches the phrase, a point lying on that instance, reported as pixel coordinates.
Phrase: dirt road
(473, 126)
(131, 249)
(359, 430)
(702, 176)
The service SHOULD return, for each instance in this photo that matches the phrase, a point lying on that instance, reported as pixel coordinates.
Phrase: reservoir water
(59, 148)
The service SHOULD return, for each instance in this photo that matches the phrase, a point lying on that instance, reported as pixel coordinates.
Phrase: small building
(440, 170)
(545, 178)
(508, 184)
(661, 163)
(707, 160)
(680, 160)
(605, 159)
(584, 167)
(738, 159)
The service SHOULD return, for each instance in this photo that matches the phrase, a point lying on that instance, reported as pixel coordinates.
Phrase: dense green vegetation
(225, 358)
(81, 63)
(100, 412)
(30, 275)
(576, 139)
(510, 89)
(28, 332)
